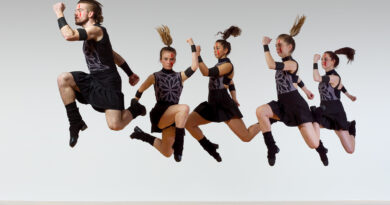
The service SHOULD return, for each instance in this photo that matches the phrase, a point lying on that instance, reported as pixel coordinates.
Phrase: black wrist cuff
(315, 66)
(138, 94)
(193, 48)
(61, 22)
(125, 67)
(200, 59)
(266, 48)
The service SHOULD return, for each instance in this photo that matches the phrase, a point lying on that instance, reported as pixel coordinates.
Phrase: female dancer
(220, 107)
(167, 116)
(290, 108)
(331, 114)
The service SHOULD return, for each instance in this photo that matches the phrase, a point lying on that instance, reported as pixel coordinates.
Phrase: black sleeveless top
(284, 79)
(168, 86)
(327, 92)
(98, 54)
(217, 83)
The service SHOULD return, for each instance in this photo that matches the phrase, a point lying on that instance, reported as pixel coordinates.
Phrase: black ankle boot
(322, 151)
(178, 144)
(141, 135)
(74, 132)
(211, 148)
(76, 123)
(136, 108)
(272, 148)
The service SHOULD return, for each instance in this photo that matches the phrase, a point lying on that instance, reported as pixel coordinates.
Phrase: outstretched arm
(80, 34)
(195, 64)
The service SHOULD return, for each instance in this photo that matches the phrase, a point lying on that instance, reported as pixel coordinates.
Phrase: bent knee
(63, 79)
(114, 126)
(168, 153)
(350, 150)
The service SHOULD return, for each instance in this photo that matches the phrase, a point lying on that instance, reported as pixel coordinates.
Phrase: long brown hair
(166, 38)
(96, 8)
(232, 31)
(295, 29)
(347, 51)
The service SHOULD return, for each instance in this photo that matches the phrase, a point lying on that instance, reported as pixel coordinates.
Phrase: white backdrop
(36, 162)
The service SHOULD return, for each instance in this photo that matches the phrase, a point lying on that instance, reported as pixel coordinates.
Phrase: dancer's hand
(266, 40)
(59, 7)
(198, 50)
(353, 98)
(190, 41)
(309, 95)
(316, 58)
(133, 79)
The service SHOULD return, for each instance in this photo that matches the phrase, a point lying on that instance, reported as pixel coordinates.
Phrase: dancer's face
(327, 62)
(219, 50)
(168, 59)
(282, 48)
(82, 14)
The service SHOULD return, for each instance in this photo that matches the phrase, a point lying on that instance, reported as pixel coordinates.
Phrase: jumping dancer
(102, 87)
(331, 114)
(290, 108)
(167, 116)
(220, 107)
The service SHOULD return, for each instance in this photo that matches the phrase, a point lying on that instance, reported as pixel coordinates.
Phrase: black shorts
(102, 90)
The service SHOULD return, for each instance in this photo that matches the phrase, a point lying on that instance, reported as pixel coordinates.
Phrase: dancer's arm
(80, 34)
(344, 90)
(119, 61)
(214, 71)
(332, 79)
(233, 93)
(145, 85)
(290, 65)
(300, 83)
(195, 64)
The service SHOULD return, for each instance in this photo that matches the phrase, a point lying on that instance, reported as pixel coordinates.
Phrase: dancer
(102, 87)
(331, 114)
(168, 116)
(220, 107)
(290, 108)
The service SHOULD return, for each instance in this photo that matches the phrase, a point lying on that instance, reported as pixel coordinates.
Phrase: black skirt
(331, 115)
(156, 113)
(220, 107)
(291, 109)
(102, 90)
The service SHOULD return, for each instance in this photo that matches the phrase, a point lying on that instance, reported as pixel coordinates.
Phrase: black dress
(168, 87)
(220, 106)
(102, 88)
(290, 107)
(330, 114)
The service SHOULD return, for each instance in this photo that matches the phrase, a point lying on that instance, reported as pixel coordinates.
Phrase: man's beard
(80, 23)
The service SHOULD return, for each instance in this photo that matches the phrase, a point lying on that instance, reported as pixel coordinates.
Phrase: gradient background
(36, 162)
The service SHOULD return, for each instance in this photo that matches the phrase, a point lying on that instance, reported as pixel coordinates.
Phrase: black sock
(179, 141)
(136, 108)
(269, 141)
(321, 149)
(141, 135)
(73, 113)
